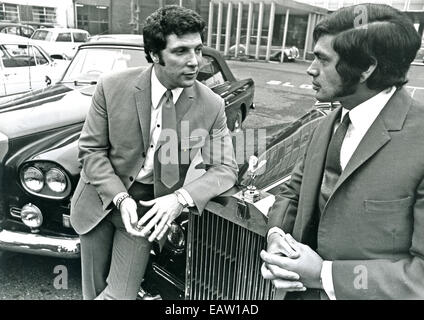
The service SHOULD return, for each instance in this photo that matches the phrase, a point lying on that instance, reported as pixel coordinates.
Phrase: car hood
(57, 106)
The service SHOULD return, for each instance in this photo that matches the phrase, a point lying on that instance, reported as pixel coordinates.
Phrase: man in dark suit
(354, 206)
(138, 140)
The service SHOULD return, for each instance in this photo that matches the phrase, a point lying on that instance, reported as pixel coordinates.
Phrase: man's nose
(193, 59)
(312, 70)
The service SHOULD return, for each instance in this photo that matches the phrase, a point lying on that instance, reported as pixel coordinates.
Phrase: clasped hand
(291, 265)
(154, 222)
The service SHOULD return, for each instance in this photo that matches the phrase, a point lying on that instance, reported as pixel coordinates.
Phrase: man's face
(181, 59)
(326, 81)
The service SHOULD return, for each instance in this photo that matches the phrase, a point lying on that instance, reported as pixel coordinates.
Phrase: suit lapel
(314, 167)
(391, 118)
(182, 107)
(184, 102)
(143, 104)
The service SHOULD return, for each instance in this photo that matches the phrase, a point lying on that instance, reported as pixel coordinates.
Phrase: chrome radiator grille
(223, 261)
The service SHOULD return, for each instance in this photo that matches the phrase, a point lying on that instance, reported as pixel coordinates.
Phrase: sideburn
(350, 78)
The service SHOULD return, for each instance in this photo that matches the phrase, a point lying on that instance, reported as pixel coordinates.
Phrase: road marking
(411, 89)
(306, 86)
(274, 82)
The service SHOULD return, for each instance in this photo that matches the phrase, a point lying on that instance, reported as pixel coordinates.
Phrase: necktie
(168, 152)
(333, 168)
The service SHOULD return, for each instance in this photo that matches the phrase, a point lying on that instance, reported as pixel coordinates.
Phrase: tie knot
(168, 94)
(346, 119)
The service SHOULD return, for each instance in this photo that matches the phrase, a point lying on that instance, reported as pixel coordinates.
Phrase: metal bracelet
(120, 199)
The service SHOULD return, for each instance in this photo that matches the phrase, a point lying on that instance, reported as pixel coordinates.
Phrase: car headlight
(32, 217)
(33, 179)
(45, 179)
(176, 237)
(56, 180)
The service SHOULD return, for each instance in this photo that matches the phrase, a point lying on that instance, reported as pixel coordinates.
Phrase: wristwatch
(181, 200)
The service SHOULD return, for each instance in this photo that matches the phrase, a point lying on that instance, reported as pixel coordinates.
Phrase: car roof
(137, 44)
(59, 29)
(11, 38)
(117, 36)
(12, 24)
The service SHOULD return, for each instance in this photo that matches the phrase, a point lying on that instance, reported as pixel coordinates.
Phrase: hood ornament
(252, 193)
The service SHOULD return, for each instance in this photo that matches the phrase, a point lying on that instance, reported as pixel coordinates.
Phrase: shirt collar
(158, 90)
(364, 114)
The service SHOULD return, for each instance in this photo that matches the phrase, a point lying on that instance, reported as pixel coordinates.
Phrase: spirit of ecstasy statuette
(250, 200)
(252, 193)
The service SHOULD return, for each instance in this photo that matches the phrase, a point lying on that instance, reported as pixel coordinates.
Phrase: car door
(40, 69)
(2, 80)
(16, 62)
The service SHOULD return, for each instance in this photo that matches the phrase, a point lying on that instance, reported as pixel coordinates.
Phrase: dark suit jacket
(115, 139)
(372, 227)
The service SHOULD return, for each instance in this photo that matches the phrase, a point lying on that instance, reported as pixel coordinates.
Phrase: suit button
(131, 179)
(144, 154)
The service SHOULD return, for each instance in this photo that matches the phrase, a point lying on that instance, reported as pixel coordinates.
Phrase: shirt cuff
(117, 197)
(275, 230)
(187, 197)
(327, 279)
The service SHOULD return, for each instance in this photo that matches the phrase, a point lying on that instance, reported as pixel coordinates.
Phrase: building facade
(262, 25)
(38, 13)
(124, 16)
(413, 8)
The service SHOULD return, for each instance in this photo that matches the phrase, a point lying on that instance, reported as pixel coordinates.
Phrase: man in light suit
(350, 223)
(136, 145)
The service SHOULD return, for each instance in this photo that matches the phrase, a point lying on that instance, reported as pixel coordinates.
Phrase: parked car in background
(291, 53)
(25, 66)
(39, 132)
(17, 29)
(60, 43)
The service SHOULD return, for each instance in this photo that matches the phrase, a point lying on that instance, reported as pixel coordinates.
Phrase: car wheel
(238, 122)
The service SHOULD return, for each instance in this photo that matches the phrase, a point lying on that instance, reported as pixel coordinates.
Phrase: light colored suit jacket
(372, 226)
(115, 139)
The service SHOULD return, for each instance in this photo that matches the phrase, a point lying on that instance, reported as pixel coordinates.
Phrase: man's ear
(367, 73)
(154, 56)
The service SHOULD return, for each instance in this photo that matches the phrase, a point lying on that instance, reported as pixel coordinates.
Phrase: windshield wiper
(82, 82)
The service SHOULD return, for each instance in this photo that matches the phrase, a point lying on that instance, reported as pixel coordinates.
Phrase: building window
(44, 14)
(416, 5)
(9, 12)
(94, 19)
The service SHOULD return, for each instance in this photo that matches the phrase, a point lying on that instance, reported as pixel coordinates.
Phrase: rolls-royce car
(39, 132)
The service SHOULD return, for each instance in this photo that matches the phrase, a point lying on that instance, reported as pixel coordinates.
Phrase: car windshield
(42, 35)
(80, 37)
(90, 63)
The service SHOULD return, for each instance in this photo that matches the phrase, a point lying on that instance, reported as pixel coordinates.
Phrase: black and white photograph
(229, 152)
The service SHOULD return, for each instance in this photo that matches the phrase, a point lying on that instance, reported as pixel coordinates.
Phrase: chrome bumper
(40, 245)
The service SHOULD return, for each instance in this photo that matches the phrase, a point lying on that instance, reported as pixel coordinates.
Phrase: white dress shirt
(146, 173)
(362, 117)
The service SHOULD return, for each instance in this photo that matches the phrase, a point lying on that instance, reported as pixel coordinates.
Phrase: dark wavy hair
(371, 33)
(169, 20)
